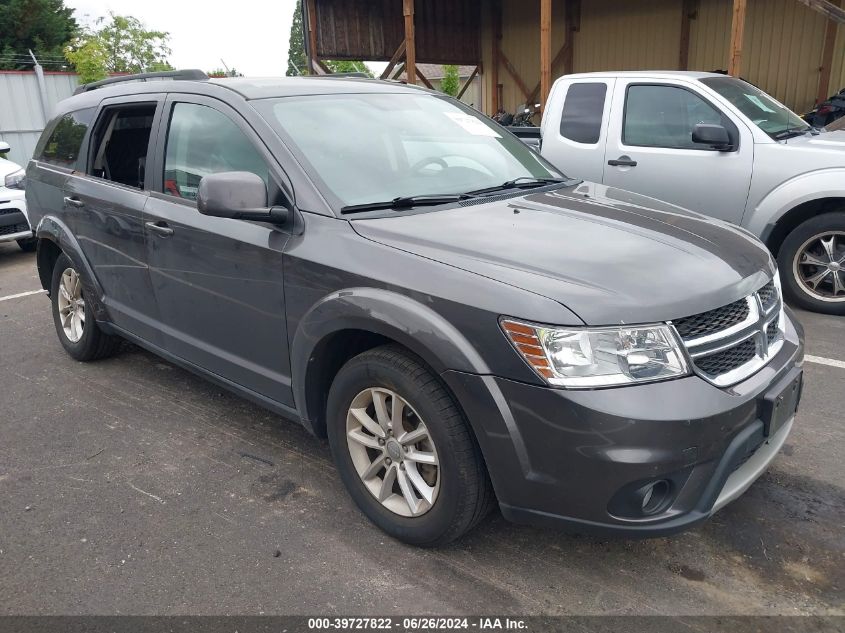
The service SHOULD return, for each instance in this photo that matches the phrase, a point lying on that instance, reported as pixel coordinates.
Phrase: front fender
(52, 229)
(807, 187)
(383, 312)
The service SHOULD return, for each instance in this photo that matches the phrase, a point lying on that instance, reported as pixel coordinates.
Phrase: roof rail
(352, 74)
(184, 75)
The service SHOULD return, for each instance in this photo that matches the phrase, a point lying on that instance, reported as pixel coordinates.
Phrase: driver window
(664, 116)
(203, 141)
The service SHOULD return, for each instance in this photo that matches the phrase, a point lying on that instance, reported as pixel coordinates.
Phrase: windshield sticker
(759, 103)
(472, 125)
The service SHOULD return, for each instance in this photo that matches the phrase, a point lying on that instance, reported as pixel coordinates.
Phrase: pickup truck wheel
(404, 450)
(812, 264)
(77, 330)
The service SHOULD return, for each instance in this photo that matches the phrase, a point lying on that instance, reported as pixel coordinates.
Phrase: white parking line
(820, 360)
(22, 294)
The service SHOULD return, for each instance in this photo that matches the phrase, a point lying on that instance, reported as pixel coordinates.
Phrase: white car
(14, 222)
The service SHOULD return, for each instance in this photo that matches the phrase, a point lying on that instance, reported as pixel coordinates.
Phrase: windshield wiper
(406, 202)
(523, 182)
(790, 132)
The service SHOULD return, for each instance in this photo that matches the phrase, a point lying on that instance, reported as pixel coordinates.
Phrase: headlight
(600, 357)
(16, 180)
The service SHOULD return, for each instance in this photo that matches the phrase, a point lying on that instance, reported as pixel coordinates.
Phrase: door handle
(74, 202)
(159, 228)
(622, 161)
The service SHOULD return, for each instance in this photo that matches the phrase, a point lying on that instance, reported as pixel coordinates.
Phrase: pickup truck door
(650, 149)
(575, 127)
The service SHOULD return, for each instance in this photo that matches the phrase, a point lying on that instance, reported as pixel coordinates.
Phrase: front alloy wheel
(819, 265)
(393, 452)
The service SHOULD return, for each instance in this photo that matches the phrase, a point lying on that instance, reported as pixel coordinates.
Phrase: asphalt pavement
(129, 486)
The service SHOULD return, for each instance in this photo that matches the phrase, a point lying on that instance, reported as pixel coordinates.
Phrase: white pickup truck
(717, 145)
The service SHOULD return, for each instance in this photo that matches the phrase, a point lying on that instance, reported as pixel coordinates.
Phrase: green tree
(451, 82)
(118, 44)
(44, 26)
(348, 67)
(297, 61)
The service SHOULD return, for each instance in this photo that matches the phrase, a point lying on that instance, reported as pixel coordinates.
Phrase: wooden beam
(514, 75)
(399, 70)
(467, 83)
(312, 36)
(321, 68)
(532, 98)
(572, 24)
(545, 51)
(827, 61)
(497, 45)
(737, 33)
(410, 42)
(689, 10)
(826, 8)
(424, 79)
(397, 57)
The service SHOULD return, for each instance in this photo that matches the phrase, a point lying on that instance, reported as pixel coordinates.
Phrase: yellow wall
(782, 49)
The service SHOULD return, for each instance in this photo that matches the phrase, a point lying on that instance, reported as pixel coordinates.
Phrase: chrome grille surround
(723, 357)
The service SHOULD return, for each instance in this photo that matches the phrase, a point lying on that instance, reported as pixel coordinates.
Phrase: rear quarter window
(582, 112)
(62, 145)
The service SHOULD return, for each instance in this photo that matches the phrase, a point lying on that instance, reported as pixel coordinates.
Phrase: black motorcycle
(828, 111)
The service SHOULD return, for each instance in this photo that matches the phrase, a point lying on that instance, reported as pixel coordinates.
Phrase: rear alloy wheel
(404, 450)
(812, 264)
(78, 332)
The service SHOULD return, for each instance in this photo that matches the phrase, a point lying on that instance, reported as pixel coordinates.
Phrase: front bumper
(14, 223)
(567, 457)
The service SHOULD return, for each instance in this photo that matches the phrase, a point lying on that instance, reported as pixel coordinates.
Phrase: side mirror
(716, 136)
(239, 195)
(4, 147)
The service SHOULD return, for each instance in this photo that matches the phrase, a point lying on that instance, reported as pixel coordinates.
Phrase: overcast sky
(249, 35)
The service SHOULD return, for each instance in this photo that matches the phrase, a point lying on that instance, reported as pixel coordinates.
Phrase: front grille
(13, 228)
(713, 320)
(768, 295)
(728, 360)
(9, 211)
(729, 344)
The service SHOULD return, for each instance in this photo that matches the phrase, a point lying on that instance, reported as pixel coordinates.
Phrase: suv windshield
(767, 113)
(362, 148)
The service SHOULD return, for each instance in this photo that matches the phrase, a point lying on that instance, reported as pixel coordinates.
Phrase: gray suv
(466, 325)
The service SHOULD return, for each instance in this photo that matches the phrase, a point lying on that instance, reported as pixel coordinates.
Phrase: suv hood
(610, 256)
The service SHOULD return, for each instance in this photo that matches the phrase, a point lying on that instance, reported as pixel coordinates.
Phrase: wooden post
(545, 51)
(312, 37)
(827, 60)
(688, 10)
(737, 31)
(494, 65)
(410, 44)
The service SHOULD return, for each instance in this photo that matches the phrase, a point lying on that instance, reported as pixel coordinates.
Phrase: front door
(650, 150)
(218, 282)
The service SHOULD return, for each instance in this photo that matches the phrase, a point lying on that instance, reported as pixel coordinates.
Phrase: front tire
(812, 264)
(75, 325)
(403, 449)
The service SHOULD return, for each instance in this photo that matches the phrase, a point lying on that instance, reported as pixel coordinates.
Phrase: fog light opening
(654, 496)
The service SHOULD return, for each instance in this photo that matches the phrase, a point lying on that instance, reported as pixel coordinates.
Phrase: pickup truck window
(766, 112)
(582, 112)
(374, 146)
(664, 116)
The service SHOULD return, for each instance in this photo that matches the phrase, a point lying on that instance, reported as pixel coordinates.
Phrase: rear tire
(812, 267)
(458, 485)
(75, 325)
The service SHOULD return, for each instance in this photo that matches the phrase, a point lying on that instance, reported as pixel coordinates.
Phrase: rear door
(650, 149)
(575, 127)
(106, 202)
(218, 282)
